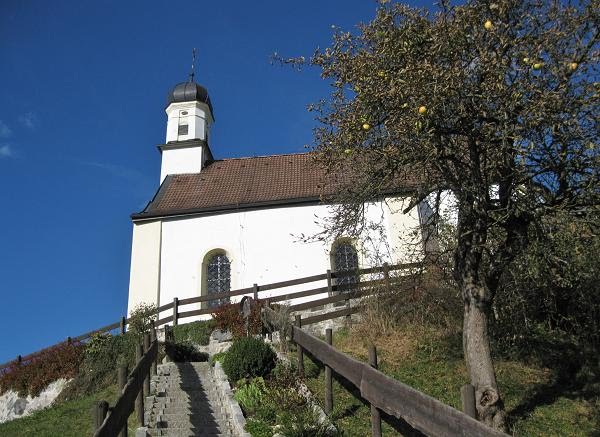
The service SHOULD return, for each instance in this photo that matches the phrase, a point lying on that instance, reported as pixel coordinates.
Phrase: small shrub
(103, 355)
(195, 332)
(184, 352)
(250, 394)
(303, 421)
(258, 428)
(98, 342)
(219, 356)
(30, 378)
(141, 318)
(249, 357)
(229, 318)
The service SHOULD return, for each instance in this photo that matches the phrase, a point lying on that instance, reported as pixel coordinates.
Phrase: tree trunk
(476, 346)
(478, 299)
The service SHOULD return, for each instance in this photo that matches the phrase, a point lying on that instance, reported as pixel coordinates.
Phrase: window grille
(218, 278)
(345, 258)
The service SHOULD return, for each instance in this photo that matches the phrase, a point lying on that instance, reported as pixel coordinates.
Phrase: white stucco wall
(262, 245)
(196, 115)
(181, 160)
(145, 264)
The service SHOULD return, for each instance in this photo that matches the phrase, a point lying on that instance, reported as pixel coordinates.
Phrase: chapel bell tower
(189, 119)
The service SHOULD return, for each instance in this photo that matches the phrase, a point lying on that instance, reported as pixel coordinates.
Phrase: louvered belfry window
(345, 258)
(218, 278)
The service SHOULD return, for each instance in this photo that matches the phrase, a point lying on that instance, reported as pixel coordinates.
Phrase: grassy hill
(431, 361)
(66, 419)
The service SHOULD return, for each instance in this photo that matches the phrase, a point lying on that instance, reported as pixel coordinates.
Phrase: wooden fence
(335, 294)
(110, 422)
(420, 411)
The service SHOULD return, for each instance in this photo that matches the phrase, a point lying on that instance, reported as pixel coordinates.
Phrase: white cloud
(4, 130)
(5, 151)
(29, 120)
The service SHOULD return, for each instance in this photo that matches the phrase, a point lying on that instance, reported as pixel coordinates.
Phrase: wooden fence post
(255, 291)
(139, 400)
(147, 376)
(300, 349)
(386, 277)
(123, 325)
(152, 340)
(99, 412)
(375, 414)
(19, 359)
(175, 310)
(328, 377)
(329, 283)
(122, 380)
(467, 396)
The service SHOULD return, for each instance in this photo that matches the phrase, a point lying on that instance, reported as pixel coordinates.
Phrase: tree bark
(476, 346)
(478, 299)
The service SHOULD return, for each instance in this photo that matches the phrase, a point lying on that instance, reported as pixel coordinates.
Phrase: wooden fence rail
(132, 393)
(422, 412)
(255, 290)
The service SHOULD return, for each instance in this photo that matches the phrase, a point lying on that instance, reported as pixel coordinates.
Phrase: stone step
(188, 432)
(186, 412)
(185, 400)
(185, 403)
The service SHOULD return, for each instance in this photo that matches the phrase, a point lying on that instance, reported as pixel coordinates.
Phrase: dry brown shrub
(418, 306)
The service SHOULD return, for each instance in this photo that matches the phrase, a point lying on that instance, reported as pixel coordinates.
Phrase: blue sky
(82, 96)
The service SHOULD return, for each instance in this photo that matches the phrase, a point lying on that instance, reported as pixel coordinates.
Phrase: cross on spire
(193, 64)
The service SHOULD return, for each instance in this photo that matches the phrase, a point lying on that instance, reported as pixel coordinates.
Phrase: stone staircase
(185, 403)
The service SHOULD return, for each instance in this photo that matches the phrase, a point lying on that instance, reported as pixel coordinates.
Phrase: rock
(220, 336)
(12, 406)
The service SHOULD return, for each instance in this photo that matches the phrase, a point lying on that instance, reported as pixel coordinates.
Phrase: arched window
(345, 258)
(218, 277)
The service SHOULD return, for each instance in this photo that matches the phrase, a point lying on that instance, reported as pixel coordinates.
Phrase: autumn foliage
(31, 377)
(229, 318)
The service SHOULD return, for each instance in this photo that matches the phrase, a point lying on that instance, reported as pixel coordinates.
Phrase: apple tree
(495, 101)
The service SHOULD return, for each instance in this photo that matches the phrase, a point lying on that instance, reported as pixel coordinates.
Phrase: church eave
(151, 215)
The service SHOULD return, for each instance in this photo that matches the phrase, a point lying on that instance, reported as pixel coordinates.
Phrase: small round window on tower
(184, 112)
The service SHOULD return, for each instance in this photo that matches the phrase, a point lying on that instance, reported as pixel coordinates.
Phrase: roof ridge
(262, 156)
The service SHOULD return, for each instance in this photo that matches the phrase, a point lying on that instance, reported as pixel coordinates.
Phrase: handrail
(117, 418)
(242, 291)
(421, 411)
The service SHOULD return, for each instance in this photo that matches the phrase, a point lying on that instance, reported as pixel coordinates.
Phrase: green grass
(436, 367)
(67, 419)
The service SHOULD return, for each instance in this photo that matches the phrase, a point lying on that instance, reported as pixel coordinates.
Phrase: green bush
(219, 356)
(249, 395)
(249, 357)
(141, 318)
(103, 356)
(302, 422)
(194, 332)
(258, 428)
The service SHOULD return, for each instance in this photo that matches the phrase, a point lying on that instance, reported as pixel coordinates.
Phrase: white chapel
(217, 225)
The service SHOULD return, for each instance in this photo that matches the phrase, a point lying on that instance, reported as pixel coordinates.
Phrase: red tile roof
(242, 182)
